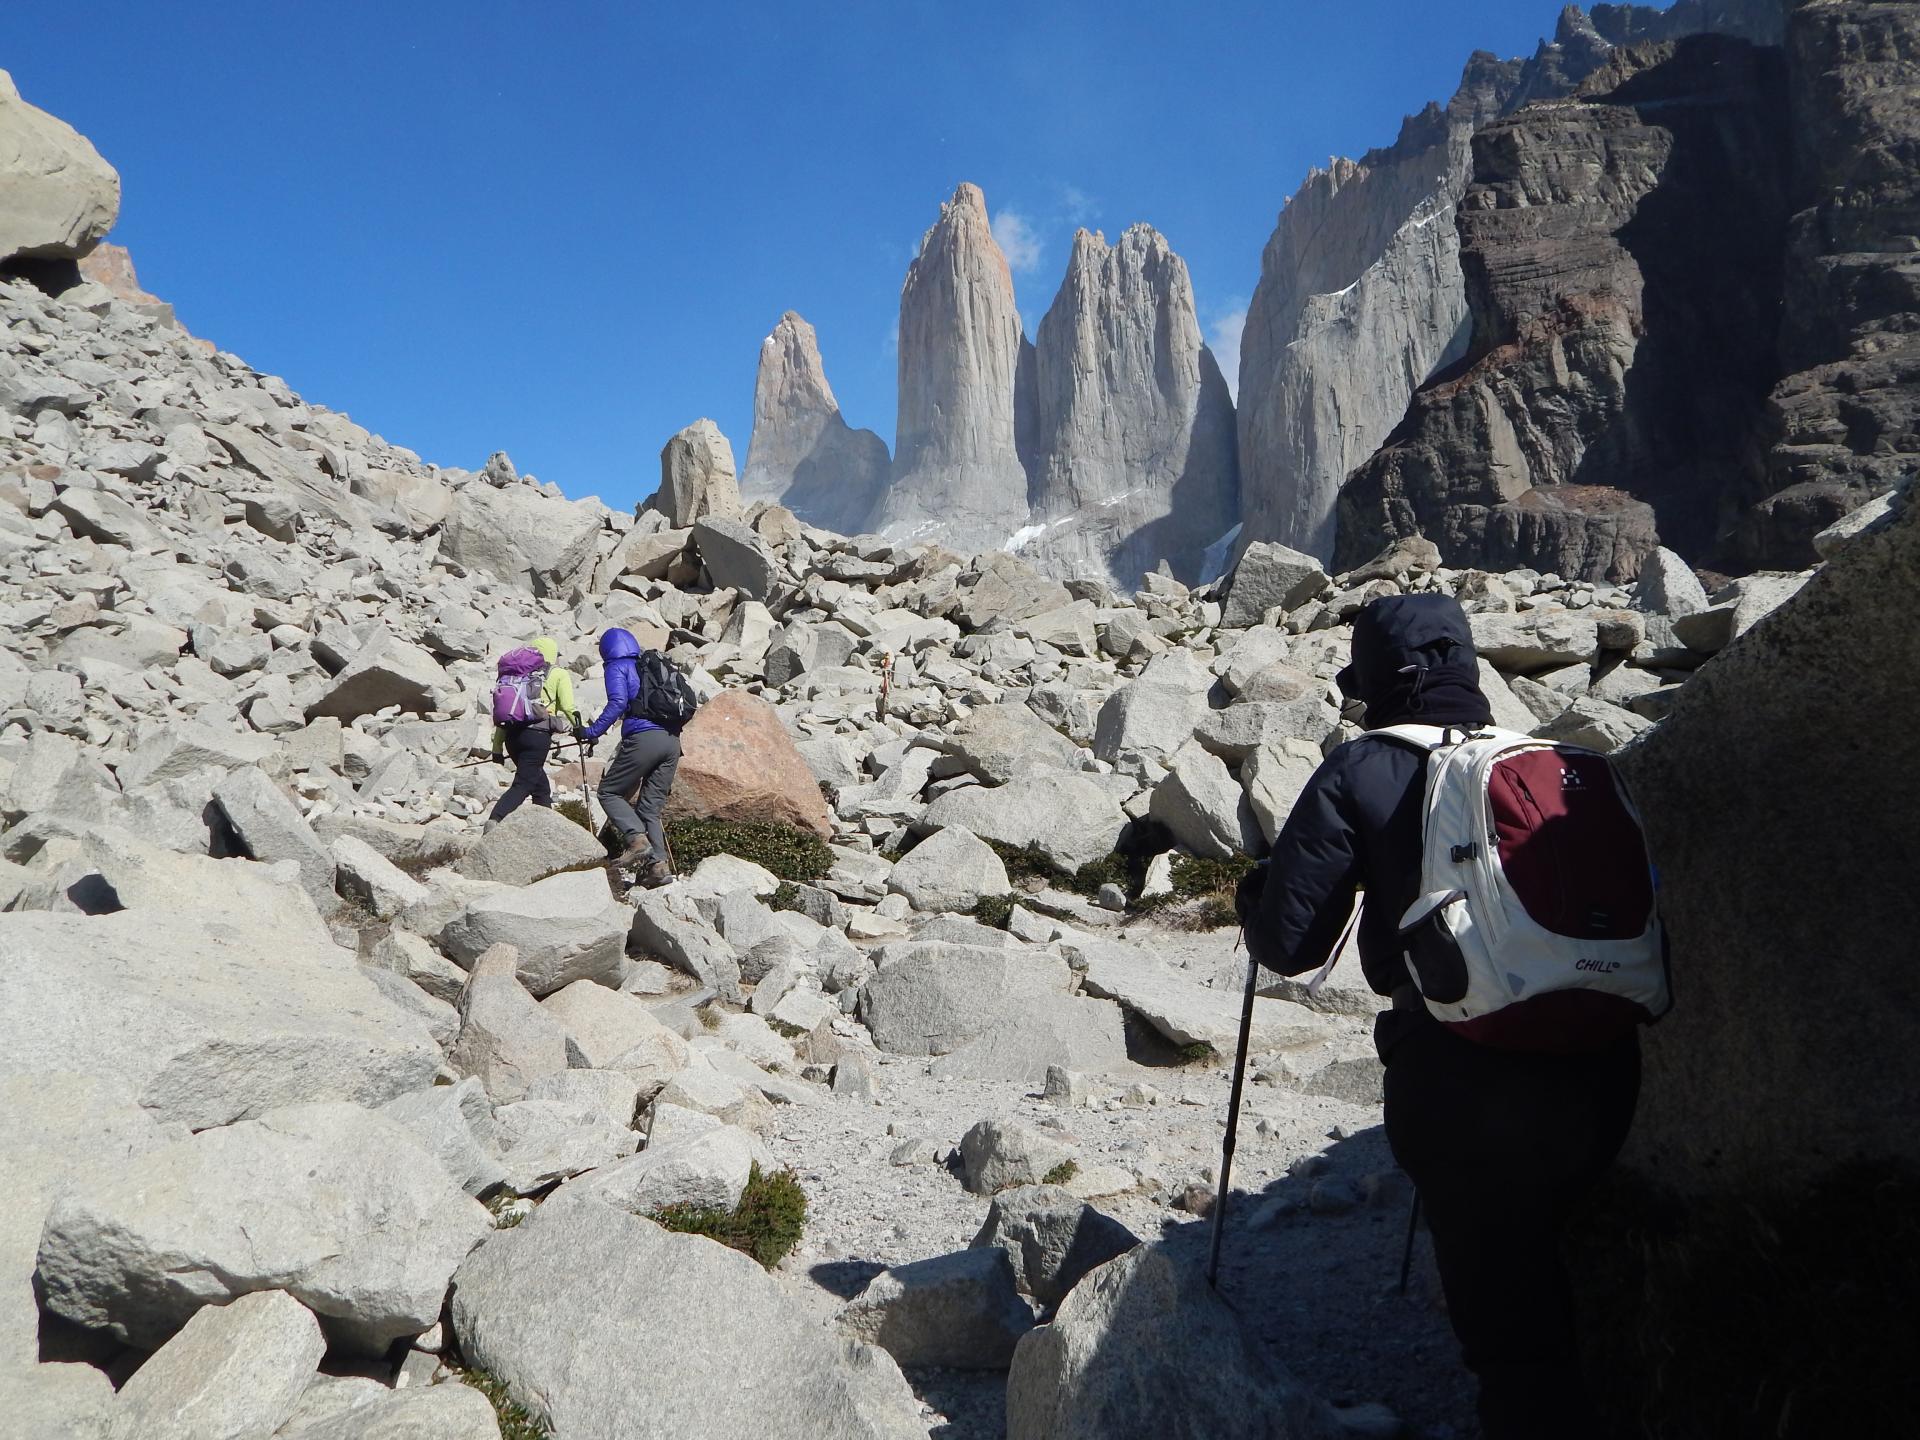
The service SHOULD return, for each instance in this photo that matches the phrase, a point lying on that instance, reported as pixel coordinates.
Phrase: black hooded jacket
(1358, 823)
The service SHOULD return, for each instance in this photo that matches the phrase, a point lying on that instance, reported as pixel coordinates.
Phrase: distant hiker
(1501, 1143)
(651, 700)
(532, 702)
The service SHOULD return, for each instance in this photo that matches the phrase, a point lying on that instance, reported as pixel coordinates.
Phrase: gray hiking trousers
(634, 789)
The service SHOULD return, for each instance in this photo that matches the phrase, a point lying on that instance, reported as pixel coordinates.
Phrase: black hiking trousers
(634, 789)
(1502, 1148)
(528, 745)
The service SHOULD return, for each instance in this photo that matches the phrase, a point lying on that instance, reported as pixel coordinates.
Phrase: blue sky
(561, 229)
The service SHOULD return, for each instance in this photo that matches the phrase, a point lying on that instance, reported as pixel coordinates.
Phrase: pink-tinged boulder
(737, 762)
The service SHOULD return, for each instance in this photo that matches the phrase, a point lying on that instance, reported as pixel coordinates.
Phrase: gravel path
(1312, 1257)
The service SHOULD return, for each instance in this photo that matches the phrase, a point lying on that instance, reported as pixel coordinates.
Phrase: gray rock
(999, 1154)
(999, 742)
(1204, 807)
(207, 1020)
(518, 535)
(73, 1401)
(729, 1098)
(949, 870)
(709, 1169)
(1667, 586)
(505, 1040)
(735, 557)
(412, 958)
(336, 1205)
(440, 1412)
(564, 928)
(1344, 1067)
(1764, 820)
(535, 1304)
(608, 1094)
(454, 1124)
(271, 828)
(1536, 640)
(1270, 575)
(1146, 1325)
(528, 846)
(1068, 817)
(183, 748)
(1156, 714)
(373, 882)
(1736, 610)
(697, 477)
(1052, 1239)
(1187, 1012)
(96, 515)
(57, 195)
(388, 671)
(668, 927)
(59, 1126)
(612, 1031)
(1595, 723)
(546, 1141)
(960, 1311)
(234, 1369)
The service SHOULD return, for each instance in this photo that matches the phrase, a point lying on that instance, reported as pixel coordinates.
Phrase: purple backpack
(516, 687)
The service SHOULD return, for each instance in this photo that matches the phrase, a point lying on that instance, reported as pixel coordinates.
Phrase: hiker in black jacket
(1501, 1145)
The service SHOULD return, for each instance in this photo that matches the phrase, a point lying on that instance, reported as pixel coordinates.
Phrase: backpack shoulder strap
(1424, 738)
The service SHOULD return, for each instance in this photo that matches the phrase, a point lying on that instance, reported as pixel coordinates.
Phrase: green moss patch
(1061, 1173)
(515, 1423)
(766, 1224)
(791, 854)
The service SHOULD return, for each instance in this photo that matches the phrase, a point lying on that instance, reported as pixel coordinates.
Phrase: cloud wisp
(1019, 240)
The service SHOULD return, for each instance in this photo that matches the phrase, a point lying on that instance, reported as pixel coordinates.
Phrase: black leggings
(1502, 1147)
(528, 745)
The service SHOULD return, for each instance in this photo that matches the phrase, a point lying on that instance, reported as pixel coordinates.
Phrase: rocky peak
(957, 470)
(803, 454)
(1622, 260)
(1133, 434)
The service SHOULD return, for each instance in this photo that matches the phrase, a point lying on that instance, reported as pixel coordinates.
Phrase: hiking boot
(655, 874)
(637, 850)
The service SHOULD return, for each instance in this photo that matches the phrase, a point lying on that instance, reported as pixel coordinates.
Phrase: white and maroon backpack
(1536, 926)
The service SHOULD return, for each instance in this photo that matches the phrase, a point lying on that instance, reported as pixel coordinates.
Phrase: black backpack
(664, 696)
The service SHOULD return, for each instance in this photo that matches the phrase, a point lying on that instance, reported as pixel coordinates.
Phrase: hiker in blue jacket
(635, 786)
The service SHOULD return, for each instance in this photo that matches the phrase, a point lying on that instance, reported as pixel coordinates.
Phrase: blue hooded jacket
(620, 652)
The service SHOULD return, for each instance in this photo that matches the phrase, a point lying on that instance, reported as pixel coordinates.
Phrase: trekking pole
(586, 790)
(1233, 1113)
(1239, 1081)
(1406, 1255)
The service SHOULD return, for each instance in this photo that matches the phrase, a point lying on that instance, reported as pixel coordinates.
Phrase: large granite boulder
(737, 762)
(1776, 836)
(207, 1020)
(1066, 816)
(336, 1205)
(537, 1304)
(1052, 1237)
(960, 1311)
(524, 537)
(234, 1369)
(1143, 1349)
(57, 196)
(696, 477)
(531, 844)
(564, 928)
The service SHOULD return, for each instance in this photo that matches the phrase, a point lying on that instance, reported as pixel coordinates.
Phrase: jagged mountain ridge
(1660, 354)
(1103, 450)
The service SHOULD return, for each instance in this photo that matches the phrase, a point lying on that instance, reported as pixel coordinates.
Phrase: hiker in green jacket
(528, 744)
